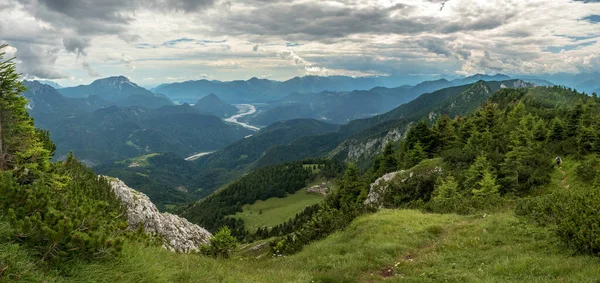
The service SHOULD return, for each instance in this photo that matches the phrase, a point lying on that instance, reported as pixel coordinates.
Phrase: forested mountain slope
(361, 139)
(114, 133)
(212, 104)
(169, 180)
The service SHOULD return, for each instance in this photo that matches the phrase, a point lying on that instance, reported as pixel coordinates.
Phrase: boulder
(178, 234)
(378, 188)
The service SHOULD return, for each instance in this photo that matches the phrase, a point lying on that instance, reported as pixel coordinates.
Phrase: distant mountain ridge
(98, 131)
(343, 107)
(118, 90)
(261, 90)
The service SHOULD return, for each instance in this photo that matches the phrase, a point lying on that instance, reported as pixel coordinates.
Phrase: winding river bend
(245, 109)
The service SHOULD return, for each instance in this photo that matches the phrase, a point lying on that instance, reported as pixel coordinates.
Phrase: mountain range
(118, 90)
(358, 141)
(100, 131)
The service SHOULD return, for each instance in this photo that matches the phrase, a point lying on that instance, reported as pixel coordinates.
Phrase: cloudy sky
(155, 41)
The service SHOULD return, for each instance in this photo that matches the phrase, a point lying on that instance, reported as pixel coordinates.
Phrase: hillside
(212, 104)
(114, 133)
(260, 184)
(49, 107)
(428, 247)
(165, 178)
(361, 139)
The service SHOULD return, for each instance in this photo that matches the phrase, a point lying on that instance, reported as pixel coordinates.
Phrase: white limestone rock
(378, 188)
(178, 234)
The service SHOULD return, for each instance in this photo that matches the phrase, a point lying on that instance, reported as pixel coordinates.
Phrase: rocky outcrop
(378, 188)
(360, 149)
(178, 234)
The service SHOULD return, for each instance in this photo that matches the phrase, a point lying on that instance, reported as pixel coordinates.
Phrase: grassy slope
(393, 244)
(276, 210)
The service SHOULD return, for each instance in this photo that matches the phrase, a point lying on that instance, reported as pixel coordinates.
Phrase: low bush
(67, 213)
(221, 244)
(576, 215)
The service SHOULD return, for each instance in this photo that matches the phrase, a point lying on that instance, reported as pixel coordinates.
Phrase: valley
(299, 141)
(245, 110)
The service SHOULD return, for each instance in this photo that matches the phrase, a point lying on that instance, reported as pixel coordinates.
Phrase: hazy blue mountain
(50, 83)
(119, 91)
(48, 107)
(589, 86)
(261, 90)
(335, 107)
(115, 133)
(212, 104)
(342, 107)
(586, 81)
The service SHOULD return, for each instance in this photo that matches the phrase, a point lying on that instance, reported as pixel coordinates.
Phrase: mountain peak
(115, 80)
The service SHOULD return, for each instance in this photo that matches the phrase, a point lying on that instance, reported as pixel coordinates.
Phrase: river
(245, 110)
(198, 155)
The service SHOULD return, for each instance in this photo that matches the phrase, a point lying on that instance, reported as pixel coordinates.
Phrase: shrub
(587, 170)
(221, 244)
(64, 214)
(575, 214)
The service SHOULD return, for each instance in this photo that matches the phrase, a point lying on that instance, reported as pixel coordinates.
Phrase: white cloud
(240, 39)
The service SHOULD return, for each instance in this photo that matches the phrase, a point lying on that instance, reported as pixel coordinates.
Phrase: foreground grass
(391, 245)
(274, 211)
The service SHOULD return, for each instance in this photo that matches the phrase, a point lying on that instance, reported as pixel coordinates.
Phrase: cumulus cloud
(90, 71)
(295, 37)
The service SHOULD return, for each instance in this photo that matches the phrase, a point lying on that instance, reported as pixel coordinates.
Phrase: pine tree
(389, 163)
(20, 148)
(487, 185)
(444, 130)
(416, 154)
(476, 173)
(558, 130)
(586, 140)
(352, 188)
(447, 189)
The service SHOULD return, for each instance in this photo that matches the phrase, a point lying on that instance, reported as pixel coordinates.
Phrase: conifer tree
(444, 130)
(447, 189)
(486, 186)
(389, 163)
(558, 130)
(476, 173)
(416, 154)
(20, 148)
(352, 187)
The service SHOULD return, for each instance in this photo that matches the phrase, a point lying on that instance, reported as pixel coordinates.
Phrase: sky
(74, 42)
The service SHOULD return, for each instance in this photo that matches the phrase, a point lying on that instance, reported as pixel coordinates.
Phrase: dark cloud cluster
(74, 23)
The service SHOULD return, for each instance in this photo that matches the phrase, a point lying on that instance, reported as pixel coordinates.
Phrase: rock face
(179, 235)
(378, 188)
